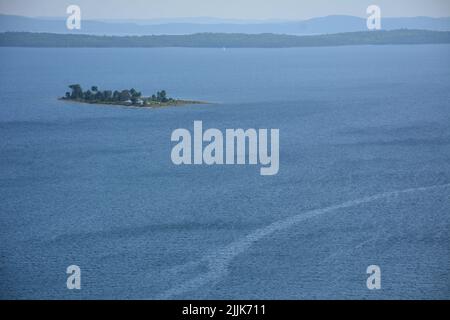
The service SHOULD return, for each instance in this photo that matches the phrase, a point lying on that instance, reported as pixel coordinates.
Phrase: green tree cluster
(132, 96)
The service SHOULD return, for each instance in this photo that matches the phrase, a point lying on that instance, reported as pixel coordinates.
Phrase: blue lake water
(94, 186)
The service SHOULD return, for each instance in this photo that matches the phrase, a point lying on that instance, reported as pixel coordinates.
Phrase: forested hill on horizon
(181, 26)
(222, 40)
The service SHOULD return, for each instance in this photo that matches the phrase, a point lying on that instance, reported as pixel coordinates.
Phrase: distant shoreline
(224, 40)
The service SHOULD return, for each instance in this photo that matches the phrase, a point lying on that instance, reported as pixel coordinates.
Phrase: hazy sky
(236, 9)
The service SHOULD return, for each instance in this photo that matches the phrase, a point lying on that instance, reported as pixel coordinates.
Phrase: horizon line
(252, 20)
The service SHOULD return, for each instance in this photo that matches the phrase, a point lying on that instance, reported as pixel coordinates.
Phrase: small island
(128, 98)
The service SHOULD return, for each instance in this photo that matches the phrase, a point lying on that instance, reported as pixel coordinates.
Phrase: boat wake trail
(217, 263)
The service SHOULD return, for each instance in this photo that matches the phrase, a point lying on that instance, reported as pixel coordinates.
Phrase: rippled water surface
(364, 175)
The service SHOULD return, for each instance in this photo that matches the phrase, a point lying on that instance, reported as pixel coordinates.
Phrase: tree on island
(88, 95)
(99, 96)
(77, 92)
(116, 95)
(161, 96)
(108, 95)
(124, 95)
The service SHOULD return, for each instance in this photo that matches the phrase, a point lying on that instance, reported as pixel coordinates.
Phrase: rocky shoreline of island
(128, 97)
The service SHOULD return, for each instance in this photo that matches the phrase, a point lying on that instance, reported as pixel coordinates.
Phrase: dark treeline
(131, 96)
(219, 40)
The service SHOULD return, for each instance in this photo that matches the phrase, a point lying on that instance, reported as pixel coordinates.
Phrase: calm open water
(95, 186)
